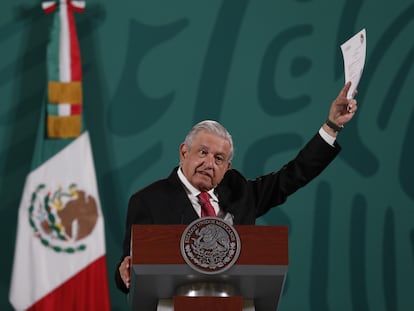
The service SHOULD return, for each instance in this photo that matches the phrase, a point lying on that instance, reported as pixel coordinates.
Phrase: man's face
(206, 162)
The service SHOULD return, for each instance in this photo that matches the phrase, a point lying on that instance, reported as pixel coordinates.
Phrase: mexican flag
(59, 260)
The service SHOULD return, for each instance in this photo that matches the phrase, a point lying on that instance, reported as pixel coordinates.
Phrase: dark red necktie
(206, 208)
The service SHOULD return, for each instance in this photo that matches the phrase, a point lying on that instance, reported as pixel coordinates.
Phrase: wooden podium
(160, 272)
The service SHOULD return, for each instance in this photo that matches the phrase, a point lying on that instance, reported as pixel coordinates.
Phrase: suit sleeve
(273, 189)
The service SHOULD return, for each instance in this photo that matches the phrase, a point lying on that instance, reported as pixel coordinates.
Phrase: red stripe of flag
(75, 109)
(82, 292)
(75, 58)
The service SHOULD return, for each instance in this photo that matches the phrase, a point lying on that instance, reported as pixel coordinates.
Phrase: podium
(159, 271)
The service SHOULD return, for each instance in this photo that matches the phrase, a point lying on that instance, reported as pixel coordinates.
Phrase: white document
(354, 52)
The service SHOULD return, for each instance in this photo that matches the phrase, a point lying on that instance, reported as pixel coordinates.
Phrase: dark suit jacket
(166, 202)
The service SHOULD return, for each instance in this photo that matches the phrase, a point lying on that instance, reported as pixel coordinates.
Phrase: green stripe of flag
(53, 49)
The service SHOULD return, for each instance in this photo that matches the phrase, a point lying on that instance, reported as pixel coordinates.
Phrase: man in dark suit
(205, 166)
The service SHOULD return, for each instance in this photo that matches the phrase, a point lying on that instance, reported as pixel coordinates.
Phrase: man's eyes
(219, 159)
(203, 152)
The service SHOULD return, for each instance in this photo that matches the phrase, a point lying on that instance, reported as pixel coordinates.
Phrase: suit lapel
(182, 211)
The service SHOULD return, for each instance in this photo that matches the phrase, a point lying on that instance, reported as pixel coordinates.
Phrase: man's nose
(209, 161)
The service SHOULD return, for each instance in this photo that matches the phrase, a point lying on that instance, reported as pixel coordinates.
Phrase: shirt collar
(190, 188)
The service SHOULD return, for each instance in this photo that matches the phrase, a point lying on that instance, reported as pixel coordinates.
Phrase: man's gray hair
(212, 127)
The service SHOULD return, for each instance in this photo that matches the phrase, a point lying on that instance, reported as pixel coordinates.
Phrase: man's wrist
(332, 125)
(329, 131)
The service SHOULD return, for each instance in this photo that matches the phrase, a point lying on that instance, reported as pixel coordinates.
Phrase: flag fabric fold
(60, 255)
(59, 261)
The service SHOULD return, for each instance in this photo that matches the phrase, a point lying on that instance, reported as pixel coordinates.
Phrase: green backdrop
(266, 69)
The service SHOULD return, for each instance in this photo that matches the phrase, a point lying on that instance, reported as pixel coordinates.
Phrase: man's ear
(183, 151)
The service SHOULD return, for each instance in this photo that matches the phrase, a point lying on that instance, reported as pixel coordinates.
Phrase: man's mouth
(205, 174)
